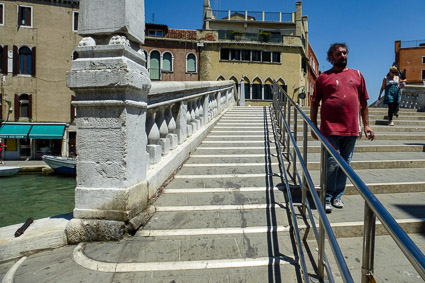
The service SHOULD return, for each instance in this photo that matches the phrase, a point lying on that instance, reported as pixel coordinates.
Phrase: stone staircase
(224, 216)
(393, 167)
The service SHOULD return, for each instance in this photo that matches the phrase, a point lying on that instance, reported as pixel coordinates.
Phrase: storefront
(32, 140)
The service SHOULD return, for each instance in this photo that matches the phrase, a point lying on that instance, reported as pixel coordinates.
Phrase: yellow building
(37, 39)
(256, 48)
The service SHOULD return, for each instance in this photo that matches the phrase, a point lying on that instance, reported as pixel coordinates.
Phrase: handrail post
(294, 167)
(323, 177)
(304, 184)
(288, 132)
(368, 244)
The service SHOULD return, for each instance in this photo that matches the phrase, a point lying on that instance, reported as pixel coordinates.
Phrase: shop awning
(47, 132)
(14, 131)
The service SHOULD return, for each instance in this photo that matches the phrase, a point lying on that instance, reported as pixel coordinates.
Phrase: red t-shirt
(340, 93)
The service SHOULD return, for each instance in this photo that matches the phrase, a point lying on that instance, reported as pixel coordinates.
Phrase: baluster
(153, 148)
(181, 123)
(188, 118)
(192, 116)
(197, 114)
(201, 111)
(171, 122)
(163, 131)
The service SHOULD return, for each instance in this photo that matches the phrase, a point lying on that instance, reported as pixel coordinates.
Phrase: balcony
(252, 16)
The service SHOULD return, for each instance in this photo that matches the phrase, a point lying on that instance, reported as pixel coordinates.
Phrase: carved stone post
(111, 86)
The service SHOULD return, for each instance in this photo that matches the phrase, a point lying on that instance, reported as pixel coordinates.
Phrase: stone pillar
(111, 86)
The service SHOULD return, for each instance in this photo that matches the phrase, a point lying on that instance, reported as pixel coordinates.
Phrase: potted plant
(237, 35)
(264, 36)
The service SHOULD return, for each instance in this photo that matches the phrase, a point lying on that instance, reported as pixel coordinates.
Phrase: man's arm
(364, 111)
(313, 116)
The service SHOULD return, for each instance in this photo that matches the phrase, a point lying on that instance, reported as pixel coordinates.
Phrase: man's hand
(370, 134)
(313, 135)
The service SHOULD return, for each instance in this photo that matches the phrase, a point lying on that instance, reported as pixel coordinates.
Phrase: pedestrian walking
(343, 95)
(1, 152)
(391, 85)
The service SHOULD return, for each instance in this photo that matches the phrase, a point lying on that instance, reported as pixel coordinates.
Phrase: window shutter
(20, 16)
(28, 16)
(17, 107)
(33, 62)
(30, 107)
(5, 59)
(1, 110)
(15, 60)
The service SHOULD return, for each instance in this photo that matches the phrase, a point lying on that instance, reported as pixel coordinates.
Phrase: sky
(368, 27)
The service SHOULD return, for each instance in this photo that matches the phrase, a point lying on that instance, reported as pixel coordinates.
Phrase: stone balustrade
(179, 116)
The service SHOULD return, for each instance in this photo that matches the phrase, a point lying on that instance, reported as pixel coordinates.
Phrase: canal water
(34, 195)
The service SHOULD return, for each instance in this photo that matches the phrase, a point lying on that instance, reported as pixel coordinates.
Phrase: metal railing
(252, 16)
(286, 137)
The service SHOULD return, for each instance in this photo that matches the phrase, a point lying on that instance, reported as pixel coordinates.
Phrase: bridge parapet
(179, 116)
(131, 135)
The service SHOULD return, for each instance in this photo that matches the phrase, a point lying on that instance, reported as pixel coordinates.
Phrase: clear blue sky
(369, 27)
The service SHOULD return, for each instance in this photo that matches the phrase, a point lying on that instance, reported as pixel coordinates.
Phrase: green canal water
(34, 195)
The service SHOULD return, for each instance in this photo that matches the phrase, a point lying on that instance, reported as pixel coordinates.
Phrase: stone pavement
(223, 218)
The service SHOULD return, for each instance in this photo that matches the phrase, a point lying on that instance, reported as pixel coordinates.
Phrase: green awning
(47, 132)
(14, 131)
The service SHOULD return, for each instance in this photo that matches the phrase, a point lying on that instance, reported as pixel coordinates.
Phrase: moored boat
(8, 170)
(61, 165)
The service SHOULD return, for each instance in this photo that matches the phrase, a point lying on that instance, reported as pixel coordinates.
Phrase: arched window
(268, 90)
(25, 60)
(191, 63)
(154, 68)
(256, 89)
(247, 88)
(167, 62)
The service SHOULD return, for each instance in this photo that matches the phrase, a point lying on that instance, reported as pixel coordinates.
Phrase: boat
(61, 165)
(8, 170)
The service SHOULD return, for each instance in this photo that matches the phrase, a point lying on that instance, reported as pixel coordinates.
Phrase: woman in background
(391, 85)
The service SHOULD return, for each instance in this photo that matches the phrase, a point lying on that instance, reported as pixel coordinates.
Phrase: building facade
(171, 54)
(410, 57)
(37, 39)
(256, 48)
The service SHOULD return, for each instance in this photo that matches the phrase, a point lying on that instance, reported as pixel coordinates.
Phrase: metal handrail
(282, 104)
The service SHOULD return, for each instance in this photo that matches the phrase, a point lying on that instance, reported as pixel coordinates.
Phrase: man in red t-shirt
(343, 94)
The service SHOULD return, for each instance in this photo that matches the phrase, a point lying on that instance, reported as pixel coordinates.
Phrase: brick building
(171, 54)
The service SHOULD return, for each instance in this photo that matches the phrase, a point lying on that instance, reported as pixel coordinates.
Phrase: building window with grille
(423, 75)
(25, 16)
(167, 62)
(1, 14)
(75, 21)
(191, 63)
